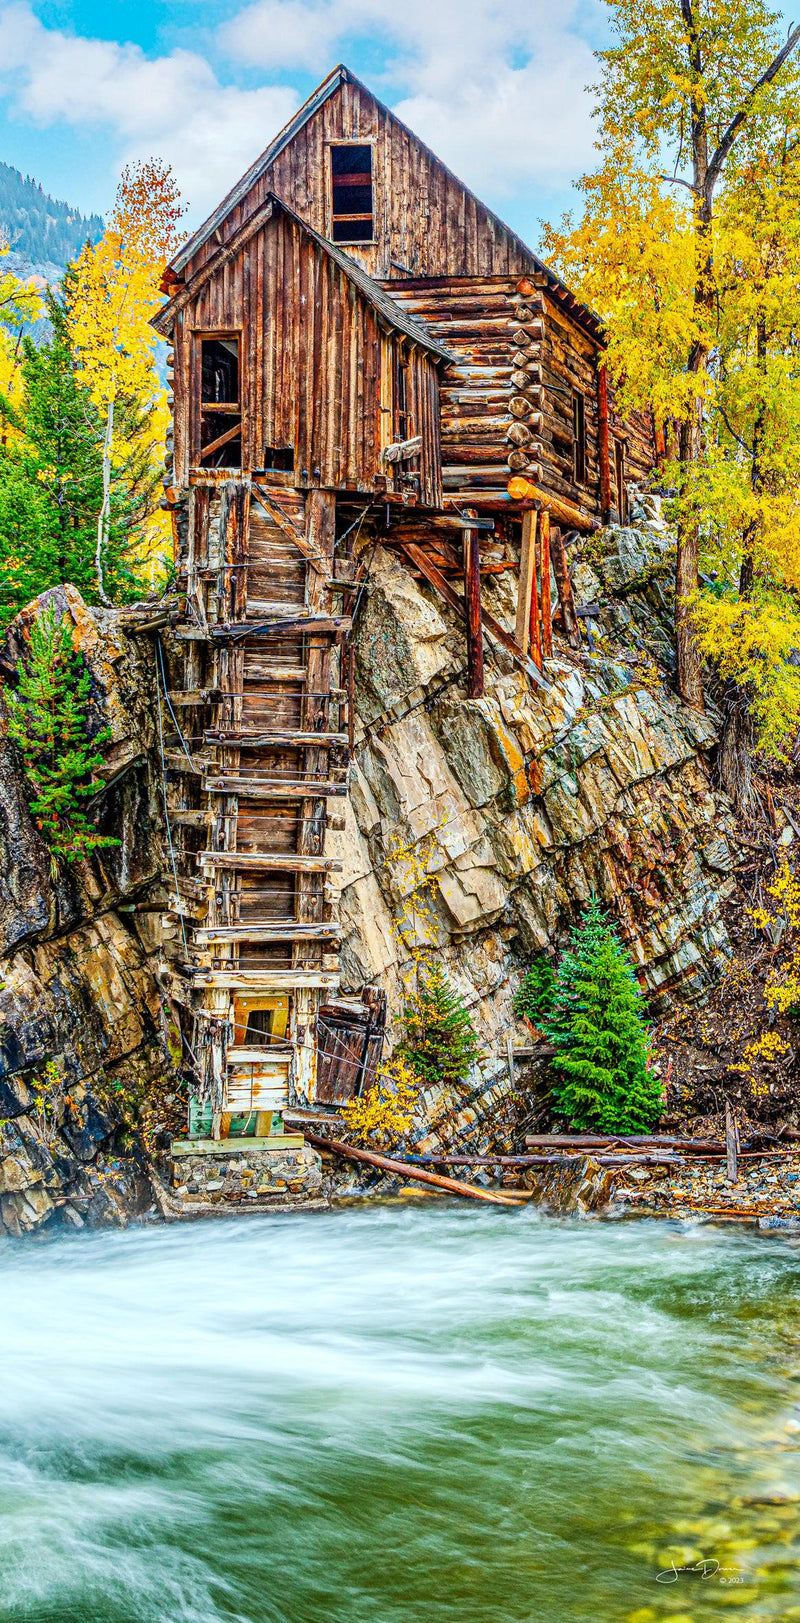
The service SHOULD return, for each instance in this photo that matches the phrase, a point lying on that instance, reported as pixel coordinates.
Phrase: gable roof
(340, 75)
(390, 313)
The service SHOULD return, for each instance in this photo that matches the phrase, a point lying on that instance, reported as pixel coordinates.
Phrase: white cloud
(172, 106)
(497, 87)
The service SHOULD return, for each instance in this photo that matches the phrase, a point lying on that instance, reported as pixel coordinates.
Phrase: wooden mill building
(360, 347)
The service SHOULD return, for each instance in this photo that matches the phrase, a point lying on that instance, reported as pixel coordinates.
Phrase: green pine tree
(533, 999)
(439, 1040)
(48, 723)
(597, 1027)
(51, 483)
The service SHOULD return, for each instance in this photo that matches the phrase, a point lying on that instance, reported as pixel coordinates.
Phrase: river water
(396, 1414)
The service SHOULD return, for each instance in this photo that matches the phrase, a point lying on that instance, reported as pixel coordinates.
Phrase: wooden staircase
(257, 752)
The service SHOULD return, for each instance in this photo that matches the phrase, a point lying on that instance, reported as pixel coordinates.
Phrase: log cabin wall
(569, 361)
(508, 400)
(317, 368)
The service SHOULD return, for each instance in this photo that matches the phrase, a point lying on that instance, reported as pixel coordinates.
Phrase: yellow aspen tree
(20, 304)
(748, 624)
(111, 293)
(679, 87)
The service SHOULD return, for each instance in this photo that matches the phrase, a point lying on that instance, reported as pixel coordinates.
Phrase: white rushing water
(398, 1413)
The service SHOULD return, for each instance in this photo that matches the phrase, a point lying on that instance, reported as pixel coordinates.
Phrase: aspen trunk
(105, 510)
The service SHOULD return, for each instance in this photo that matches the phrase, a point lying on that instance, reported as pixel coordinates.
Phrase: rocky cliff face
(510, 809)
(528, 800)
(80, 1014)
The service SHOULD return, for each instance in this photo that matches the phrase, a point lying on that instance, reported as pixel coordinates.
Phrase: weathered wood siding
(426, 221)
(311, 365)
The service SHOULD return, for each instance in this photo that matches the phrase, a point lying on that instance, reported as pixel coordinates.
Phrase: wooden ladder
(264, 704)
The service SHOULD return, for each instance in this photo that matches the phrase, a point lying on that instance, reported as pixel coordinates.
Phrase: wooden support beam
(276, 931)
(189, 819)
(603, 443)
(236, 738)
(263, 980)
(271, 788)
(315, 625)
(437, 580)
(564, 584)
(270, 503)
(731, 1144)
(544, 576)
(221, 439)
(526, 594)
(522, 490)
(472, 598)
(263, 861)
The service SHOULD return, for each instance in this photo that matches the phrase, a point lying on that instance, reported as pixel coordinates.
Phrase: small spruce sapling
(439, 1040)
(47, 722)
(597, 1027)
(533, 999)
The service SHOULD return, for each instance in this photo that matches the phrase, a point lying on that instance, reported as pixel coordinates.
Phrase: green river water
(400, 1413)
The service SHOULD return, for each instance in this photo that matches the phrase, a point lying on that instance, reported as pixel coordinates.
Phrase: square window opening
(352, 216)
(220, 410)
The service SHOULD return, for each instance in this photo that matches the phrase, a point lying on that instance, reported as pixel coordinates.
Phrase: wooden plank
(255, 861)
(527, 581)
(275, 737)
(731, 1145)
(544, 576)
(222, 439)
(269, 502)
(271, 788)
(603, 442)
(316, 625)
(472, 599)
(264, 980)
(267, 932)
(564, 584)
(235, 1146)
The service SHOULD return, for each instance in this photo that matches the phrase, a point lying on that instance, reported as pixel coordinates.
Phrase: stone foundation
(243, 1172)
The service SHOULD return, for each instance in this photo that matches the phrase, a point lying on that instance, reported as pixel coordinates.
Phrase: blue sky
(497, 87)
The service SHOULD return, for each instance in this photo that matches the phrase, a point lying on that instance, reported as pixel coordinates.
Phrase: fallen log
(657, 1158)
(585, 1141)
(334, 1146)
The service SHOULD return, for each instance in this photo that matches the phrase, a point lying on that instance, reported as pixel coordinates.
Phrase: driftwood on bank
(451, 1186)
(586, 1141)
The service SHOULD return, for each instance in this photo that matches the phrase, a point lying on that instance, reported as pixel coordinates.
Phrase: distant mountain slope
(42, 233)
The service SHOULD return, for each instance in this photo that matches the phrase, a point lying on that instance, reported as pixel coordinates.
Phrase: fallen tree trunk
(335, 1146)
(658, 1157)
(655, 1141)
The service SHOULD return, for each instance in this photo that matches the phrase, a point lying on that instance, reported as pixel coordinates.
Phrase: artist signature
(700, 1569)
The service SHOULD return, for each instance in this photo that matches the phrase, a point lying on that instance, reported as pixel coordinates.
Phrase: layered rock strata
(519, 805)
(81, 1023)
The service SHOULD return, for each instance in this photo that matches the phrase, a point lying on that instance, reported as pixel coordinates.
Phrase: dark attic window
(220, 403)
(351, 192)
(578, 437)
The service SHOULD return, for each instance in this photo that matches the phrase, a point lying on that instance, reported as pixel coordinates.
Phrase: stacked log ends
(527, 333)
